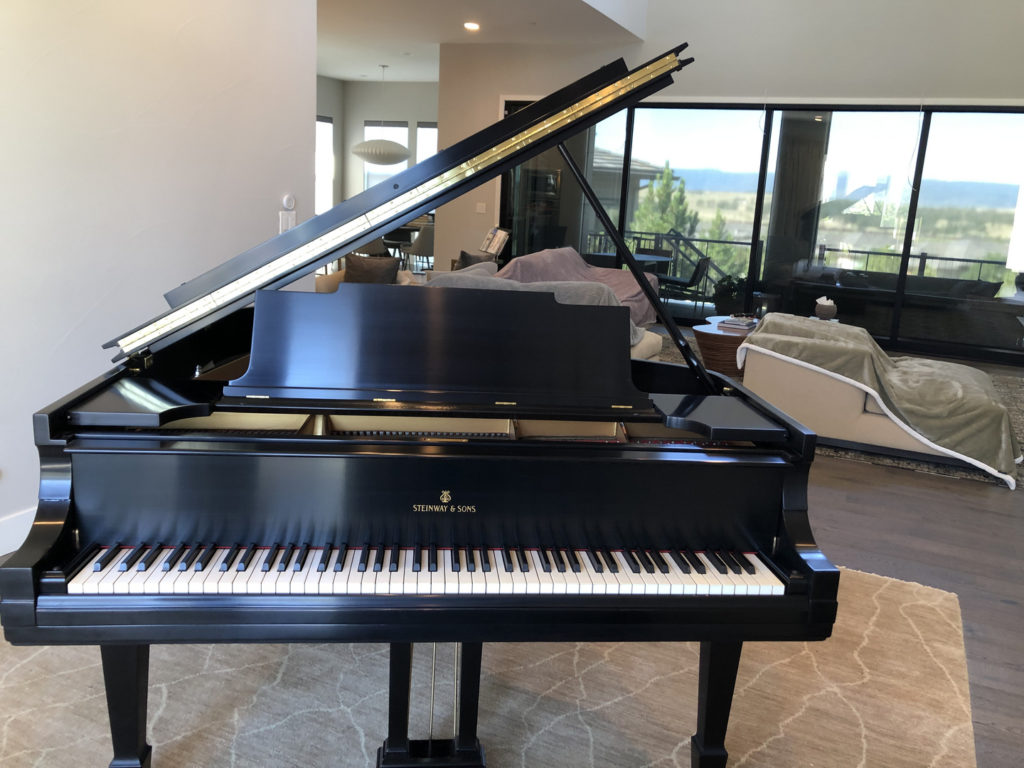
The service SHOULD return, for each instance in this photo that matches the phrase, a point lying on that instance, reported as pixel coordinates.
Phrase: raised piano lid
(357, 221)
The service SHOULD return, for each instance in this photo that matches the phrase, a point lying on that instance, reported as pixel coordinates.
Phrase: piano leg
(718, 664)
(464, 751)
(126, 678)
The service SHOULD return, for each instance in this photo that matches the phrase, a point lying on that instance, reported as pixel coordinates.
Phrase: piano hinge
(138, 362)
(505, 402)
(627, 407)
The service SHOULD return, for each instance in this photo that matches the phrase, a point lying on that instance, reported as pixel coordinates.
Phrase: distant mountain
(967, 194)
(934, 194)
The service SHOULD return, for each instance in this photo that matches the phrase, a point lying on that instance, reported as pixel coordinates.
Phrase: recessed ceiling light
(472, 26)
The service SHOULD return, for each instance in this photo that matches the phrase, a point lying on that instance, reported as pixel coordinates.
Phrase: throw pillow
(469, 259)
(370, 269)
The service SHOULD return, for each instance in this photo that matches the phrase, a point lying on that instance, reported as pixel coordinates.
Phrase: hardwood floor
(962, 536)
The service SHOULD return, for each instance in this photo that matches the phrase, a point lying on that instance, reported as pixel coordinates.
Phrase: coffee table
(718, 345)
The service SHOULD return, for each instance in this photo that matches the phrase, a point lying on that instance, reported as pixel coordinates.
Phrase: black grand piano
(406, 465)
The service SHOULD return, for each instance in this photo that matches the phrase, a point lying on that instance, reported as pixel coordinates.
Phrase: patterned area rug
(1011, 393)
(888, 690)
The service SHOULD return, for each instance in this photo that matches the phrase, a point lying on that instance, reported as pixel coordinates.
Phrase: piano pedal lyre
(463, 750)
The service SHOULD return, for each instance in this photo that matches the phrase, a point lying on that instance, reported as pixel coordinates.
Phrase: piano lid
(359, 220)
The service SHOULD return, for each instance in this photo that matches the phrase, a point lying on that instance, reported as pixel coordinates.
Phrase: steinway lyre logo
(445, 506)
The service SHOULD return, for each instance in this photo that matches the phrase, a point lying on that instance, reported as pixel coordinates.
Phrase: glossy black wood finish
(109, 474)
(442, 346)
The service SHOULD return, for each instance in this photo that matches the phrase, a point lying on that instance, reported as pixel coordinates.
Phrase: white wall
(143, 143)
(871, 51)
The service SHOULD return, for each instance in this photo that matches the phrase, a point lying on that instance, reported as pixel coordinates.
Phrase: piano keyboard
(390, 570)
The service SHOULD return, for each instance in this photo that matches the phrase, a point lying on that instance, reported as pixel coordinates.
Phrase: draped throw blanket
(954, 407)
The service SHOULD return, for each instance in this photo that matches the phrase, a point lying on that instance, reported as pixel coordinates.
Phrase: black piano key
(595, 562)
(151, 557)
(207, 556)
(339, 564)
(716, 561)
(524, 560)
(631, 561)
(78, 562)
(610, 560)
(485, 561)
(133, 558)
(695, 562)
(471, 555)
(456, 564)
(645, 560)
(559, 557)
(744, 562)
(679, 560)
(378, 558)
(545, 559)
(573, 559)
(271, 555)
(225, 564)
(730, 560)
(396, 552)
(300, 559)
(174, 557)
(506, 559)
(364, 558)
(282, 564)
(190, 557)
(417, 559)
(659, 560)
(247, 556)
(325, 557)
(432, 558)
(108, 557)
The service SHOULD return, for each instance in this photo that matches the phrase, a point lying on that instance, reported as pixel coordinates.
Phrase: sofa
(644, 344)
(566, 265)
(834, 379)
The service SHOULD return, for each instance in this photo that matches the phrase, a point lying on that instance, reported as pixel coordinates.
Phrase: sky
(868, 146)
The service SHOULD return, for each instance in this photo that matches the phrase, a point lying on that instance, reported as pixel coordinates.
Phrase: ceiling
(355, 37)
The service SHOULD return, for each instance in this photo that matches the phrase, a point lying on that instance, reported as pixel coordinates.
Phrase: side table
(718, 345)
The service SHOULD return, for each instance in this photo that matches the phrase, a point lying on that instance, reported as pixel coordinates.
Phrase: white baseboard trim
(14, 528)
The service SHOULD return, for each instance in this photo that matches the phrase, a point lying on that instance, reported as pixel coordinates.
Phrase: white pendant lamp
(381, 151)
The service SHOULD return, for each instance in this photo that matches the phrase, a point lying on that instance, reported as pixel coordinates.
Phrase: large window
(910, 219)
(390, 131)
(836, 209)
(323, 165)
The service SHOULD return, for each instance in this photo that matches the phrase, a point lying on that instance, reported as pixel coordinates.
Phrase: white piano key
(463, 577)
(213, 573)
(596, 582)
(82, 582)
(478, 578)
(325, 586)
(715, 585)
(451, 579)
(530, 577)
(681, 583)
(267, 583)
(630, 583)
(546, 585)
(150, 585)
(611, 582)
(766, 580)
(491, 585)
(112, 573)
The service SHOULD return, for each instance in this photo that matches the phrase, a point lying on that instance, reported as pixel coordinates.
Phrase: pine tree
(664, 207)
